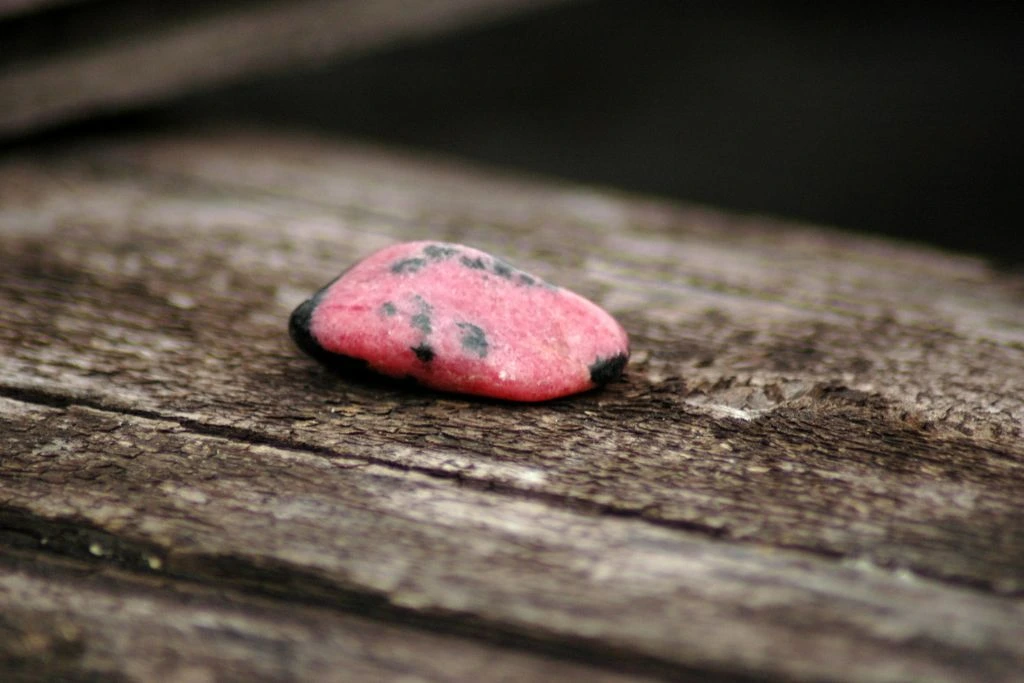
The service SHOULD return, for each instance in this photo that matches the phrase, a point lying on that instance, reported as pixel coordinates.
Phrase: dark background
(904, 119)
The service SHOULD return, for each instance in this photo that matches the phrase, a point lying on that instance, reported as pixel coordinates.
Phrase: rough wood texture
(813, 468)
(75, 623)
(118, 54)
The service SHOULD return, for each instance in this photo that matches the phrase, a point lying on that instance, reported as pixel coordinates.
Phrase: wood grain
(812, 468)
(74, 622)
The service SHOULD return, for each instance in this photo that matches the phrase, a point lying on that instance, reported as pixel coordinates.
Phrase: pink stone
(457, 319)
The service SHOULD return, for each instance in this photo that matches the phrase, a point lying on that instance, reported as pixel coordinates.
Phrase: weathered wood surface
(813, 468)
(74, 623)
(101, 57)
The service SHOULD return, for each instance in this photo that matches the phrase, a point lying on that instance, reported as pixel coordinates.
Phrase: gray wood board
(812, 468)
(69, 621)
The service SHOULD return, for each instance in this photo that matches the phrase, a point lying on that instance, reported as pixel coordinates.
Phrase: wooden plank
(812, 469)
(770, 375)
(116, 55)
(150, 495)
(67, 621)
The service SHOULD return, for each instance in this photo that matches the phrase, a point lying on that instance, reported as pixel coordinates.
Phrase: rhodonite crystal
(457, 319)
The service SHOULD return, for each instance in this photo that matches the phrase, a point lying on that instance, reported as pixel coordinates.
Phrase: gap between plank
(251, 438)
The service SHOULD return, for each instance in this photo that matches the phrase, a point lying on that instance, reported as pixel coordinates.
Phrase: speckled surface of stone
(457, 319)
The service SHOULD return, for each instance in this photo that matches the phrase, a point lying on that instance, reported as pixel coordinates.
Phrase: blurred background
(897, 119)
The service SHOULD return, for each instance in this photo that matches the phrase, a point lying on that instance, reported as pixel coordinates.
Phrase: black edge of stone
(299, 330)
(299, 325)
(604, 370)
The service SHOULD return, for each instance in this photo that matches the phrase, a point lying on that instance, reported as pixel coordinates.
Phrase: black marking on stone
(388, 309)
(421, 321)
(424, 352)
(439, 252)
(409, 265)
(502, 269)
(527, 280)
(474, 263)
(474, 340)
(604, 370)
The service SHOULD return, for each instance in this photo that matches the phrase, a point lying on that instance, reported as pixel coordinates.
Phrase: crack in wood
(727, 430)
(648, 514)
(70, 541)
(66, 642)
(254, 438)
